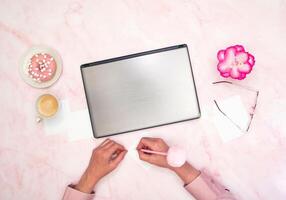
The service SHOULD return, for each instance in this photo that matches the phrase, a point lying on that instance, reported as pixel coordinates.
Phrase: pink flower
(235, 62)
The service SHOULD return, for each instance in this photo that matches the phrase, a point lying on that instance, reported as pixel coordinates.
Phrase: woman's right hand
(154, 144)
(186, 172)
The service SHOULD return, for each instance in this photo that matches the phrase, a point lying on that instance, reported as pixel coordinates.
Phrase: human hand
(186, 172)
(153, 144)
(105, 158)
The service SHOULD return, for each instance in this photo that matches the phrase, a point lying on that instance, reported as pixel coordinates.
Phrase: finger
(114, 148)
(142, 143)
(108, 144)
(119, 158)
(145, 142)
(104, 142)
(145, 157)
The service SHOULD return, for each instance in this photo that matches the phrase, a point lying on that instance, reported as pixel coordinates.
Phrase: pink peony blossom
(235, 62)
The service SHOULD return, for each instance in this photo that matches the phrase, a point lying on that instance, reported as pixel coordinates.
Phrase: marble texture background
(36, 166)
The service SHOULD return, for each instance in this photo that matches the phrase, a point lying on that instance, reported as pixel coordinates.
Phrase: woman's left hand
(105, 158)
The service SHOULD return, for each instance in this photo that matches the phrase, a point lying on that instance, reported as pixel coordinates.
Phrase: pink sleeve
(204, 188)
(72, 194)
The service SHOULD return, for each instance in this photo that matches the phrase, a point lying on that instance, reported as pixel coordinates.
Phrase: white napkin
(236, 111)
(60, 121)
(80, 126)
(76, 125)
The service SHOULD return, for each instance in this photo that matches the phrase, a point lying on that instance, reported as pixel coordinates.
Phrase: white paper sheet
(58, 124)
(236, 111)
(79, 126)
(76, 125)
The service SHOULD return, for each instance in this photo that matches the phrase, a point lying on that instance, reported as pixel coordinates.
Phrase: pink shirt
(202, 188)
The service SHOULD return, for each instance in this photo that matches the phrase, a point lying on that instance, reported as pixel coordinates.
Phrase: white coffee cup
(47, 105)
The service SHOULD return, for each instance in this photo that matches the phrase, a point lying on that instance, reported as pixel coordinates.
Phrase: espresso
(47, 105)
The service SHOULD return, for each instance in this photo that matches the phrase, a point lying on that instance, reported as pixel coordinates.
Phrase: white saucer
(24, 64)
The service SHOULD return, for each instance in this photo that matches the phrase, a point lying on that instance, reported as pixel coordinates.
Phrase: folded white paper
(236, 111)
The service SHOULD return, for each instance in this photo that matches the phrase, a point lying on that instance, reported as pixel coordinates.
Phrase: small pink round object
(176, 157)
(235, 62)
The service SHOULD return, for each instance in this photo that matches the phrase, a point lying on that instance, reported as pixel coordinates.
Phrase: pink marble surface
(36, 166)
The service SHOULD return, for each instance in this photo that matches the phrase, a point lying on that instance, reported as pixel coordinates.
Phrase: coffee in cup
(47, 106)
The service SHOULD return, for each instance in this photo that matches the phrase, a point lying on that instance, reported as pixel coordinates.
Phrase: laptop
(140, 91)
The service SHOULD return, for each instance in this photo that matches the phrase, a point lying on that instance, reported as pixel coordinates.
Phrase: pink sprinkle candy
(235, 62)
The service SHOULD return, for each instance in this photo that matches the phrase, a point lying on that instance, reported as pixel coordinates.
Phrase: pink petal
(251, 59)
(245, 68)
(223, 67)
(242, 76)
(220, 55)
(234, 73)
(239, 48)
(230, 55)
(242, 57)
(226, 74)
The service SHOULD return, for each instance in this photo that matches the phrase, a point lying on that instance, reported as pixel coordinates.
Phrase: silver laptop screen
(140, 92)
